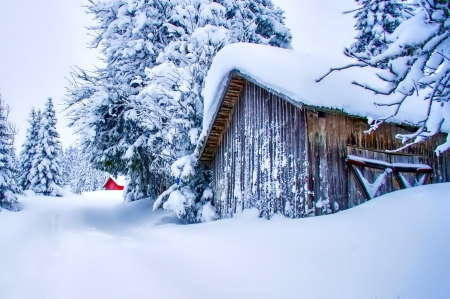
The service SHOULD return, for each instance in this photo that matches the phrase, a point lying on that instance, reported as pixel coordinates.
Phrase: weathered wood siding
(355, 196)
(261, 160)
(281, 158)
(334, 136)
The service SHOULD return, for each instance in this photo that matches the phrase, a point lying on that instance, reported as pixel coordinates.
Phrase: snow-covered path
(96, 246)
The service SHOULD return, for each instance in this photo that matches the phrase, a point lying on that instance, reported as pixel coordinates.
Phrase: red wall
(111, 185)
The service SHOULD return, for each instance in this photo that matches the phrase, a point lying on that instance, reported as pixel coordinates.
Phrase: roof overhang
(230, 96)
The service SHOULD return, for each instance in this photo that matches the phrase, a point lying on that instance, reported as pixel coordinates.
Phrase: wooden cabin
(114, 184)
(269, 152)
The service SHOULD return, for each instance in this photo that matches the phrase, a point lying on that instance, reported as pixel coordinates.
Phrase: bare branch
(373, 89)
(353, 10)
(340, 69)
(401, 148)
(361, 8)
(443, 55)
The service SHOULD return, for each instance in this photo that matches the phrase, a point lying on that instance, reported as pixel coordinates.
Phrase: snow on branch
(410, 43)
(340, 69)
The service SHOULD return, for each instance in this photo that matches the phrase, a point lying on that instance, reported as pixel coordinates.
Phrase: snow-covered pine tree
(45, 175)
(17, 166)
(173, 89)
(131, 34)
(29, 149)
(69, 161)
(8, 171)
(376, 20)
(84, 177)
(125, 137)
(416, 59)
(172, 103)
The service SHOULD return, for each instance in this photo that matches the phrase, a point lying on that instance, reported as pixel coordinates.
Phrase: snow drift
(95, 246)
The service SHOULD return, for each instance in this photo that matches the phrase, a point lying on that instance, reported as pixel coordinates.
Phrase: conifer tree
(78, 173)
(132, 34)
(29, 149)
(46, 170)
(160, 46)
(376, 21)
(69, 160)
(8, 171)
(174, 88)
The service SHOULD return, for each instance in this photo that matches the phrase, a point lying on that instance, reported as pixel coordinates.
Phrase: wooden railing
(370, 189)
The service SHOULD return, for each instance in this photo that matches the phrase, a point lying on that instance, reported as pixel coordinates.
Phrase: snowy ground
(96, 246)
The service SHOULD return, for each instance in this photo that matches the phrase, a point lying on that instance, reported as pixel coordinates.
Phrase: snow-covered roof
(120, 180)
(293, 74)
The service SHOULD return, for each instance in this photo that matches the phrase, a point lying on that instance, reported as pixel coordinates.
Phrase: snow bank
(394, 246)
(293, 74)
(110, 195)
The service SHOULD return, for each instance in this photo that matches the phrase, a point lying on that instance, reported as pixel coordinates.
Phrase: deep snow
(96, 246)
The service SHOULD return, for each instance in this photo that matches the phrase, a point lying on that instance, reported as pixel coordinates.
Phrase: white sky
(41, 40)
(319, 26)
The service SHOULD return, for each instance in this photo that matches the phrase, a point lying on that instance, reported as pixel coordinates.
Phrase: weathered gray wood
(269, 154)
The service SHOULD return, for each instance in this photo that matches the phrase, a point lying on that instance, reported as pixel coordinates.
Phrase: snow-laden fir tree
(131, 34)
(17, 166)
(416, 60)
(45, 174)
(29, 149)
(175, 85)
(9, 188)
(376, 21)
(78, 173)
(128, 131)
(69, 162)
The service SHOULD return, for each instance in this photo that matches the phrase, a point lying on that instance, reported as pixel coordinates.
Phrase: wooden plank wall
(277, 157)
(355, 197)
(331, 135)
(261, 160)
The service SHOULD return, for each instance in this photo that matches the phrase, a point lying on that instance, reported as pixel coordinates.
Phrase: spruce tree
(376, 21)
(46, 170)
(174, 87)
(29, 149)
(78, 172)
(8, 171)
(131, 33)
(69, 160)
(160, 46)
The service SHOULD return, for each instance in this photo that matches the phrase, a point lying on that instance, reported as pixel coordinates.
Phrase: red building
(113, 184)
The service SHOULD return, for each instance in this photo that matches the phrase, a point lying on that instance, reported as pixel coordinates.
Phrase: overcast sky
(41, 40)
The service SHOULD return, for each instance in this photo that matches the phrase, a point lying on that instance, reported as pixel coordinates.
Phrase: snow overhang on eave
(229, 96)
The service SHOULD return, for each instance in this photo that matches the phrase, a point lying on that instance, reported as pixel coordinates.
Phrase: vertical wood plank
(272, 153)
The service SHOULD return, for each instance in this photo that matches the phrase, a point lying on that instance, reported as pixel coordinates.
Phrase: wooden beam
(225, 111)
